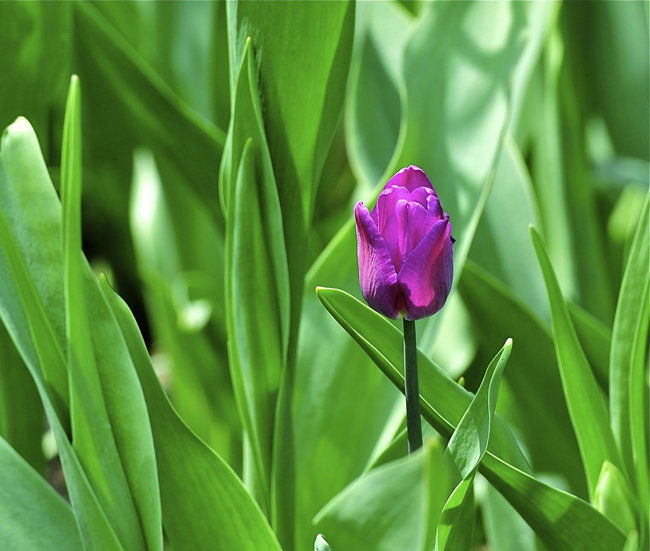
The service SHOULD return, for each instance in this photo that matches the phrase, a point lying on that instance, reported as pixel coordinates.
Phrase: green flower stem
(411, 389)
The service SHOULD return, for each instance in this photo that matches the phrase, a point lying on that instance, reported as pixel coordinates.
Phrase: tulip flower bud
(405, 248)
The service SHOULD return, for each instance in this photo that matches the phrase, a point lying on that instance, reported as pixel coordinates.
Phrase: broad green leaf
(23, 310)
(32, 514)
(562, 520)
(627, 373)
(501, 244)
(110, 428)
(389, 507)
(257, 276)
(92, 437)
(370, 328)
(466, 448)
(193, 479)
(22, 174)
(566, 196)
(584, 398)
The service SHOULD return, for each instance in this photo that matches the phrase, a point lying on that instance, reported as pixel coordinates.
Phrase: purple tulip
(405, 248)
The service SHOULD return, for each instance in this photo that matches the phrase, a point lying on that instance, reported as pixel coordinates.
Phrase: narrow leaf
(584, 398)
(627, 382)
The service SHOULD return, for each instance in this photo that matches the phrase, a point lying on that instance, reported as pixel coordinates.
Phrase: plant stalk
(411, 387)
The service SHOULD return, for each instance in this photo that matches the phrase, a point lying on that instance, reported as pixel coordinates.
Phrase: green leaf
(32, 514)
(505, 530)
(497, 314)
(456, 526)
(466, 448)
(23, 308)
(193, 479)
(613, 498)
(302, 79)
(562, 521)
(110, 427)
(470, 439)
(627, 379)
(584, 398)
(257, 276)
(22, 175)
(391, 507)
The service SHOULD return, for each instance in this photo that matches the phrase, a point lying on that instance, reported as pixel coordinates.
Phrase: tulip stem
(411, 389)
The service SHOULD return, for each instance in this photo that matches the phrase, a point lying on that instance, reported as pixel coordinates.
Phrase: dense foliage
(221, 384)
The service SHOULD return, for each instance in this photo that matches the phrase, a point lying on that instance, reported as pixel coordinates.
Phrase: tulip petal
(416, 227)
(393, 231)
(426, 275)
(411, 178)
(422, 194)
(386, 205)
(377, 275)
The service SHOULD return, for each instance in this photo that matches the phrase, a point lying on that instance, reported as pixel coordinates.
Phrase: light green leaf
(562, 521)
(23, 310)
(193, 479)
(456, 526)
(391, 507)
(22, 174)
(505, 530)
(584, 398)
(257, 277)
(470, 439)
(613, 498)
(627, 379)
(110, 427)
(466, 448)
(32, 514)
